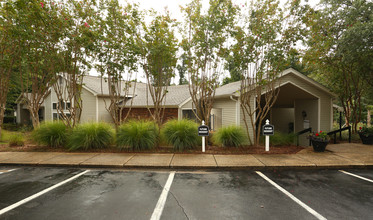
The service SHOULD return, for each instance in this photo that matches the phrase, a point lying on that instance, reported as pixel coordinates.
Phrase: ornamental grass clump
(16, 140)
(138, 135)
(231, 136)
(181, 134)
(91, 136)
(52, 134)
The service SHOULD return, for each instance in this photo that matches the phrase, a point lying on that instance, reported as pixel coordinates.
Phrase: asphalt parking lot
(72, 193)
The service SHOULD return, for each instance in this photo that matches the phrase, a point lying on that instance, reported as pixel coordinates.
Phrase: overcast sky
(173, 5)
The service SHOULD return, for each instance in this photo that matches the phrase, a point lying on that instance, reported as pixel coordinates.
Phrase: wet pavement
(28, 193)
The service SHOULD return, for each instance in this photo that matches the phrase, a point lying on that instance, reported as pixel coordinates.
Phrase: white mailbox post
(203, 131)
(267, 131)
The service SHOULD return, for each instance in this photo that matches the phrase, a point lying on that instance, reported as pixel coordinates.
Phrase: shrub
(15, 140)
(282, 139)
(139, 135)
(11, 126)
(230, 136)
(4, 136)
(53, 134)
(9, 119)
(181, 134)
(90, 136)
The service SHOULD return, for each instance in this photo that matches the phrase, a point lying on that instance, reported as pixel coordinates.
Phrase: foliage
(79, 27)
(117, 53)
(262, 42)
(205, 35)
(11, 126)
(139, 135)
(10, 53)
(366, 131)
(182, 69)
(15, 140)
(231, 136)
(90, 136)
(281, 139)
(158, 48)
(53, 134)
(340, 49)
(319, 136)
(41, 35)
(181, 134)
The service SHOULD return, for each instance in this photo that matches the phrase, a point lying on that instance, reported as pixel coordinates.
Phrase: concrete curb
(207, 168)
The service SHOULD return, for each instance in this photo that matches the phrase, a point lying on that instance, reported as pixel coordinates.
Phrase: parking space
(332, 193)
(121, 194)
(228, 195)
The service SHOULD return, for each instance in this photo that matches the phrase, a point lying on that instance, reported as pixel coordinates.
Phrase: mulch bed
(209, 150)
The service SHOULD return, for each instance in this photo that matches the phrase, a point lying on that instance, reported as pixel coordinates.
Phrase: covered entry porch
(295, 110)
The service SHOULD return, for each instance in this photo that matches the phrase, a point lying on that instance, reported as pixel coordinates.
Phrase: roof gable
(233, 88)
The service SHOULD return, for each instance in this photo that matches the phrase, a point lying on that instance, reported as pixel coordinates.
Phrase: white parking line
(7, 171)
(15, 205)
(309, 209)
(357, 176)
(162, 199)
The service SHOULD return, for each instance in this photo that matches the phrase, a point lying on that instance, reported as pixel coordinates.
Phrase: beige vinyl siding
(89, 107)
(103, 114)
(228, 110)
(324, 105)
(187, 105)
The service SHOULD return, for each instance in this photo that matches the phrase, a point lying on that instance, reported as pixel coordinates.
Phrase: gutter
(237, 110)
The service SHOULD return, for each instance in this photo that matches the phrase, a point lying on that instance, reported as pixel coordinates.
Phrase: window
(189, 114)
(62, 105)
(55, 116)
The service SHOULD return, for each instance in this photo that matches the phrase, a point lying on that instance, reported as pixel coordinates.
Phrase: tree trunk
(35, 118)
(368, 118)
(2, 111)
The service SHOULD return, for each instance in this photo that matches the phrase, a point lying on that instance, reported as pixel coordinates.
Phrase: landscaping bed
(164, 149)
(139, 137)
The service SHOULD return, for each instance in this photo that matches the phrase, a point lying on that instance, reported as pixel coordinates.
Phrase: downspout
(237, 109)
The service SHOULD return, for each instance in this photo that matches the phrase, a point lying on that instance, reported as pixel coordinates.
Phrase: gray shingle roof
(93, 83)
(228, 89)
(175, 96)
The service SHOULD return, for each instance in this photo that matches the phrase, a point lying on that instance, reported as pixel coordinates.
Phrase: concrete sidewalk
(336, 156)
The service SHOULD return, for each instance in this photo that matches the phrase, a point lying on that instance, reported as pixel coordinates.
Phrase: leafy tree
(340, 48)
(10, 51)
(266, 34)
(235, 74)
(79, 29)
(182, 69)
(118, 54)
(158, 47)
(204, 37)
(41, 24)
